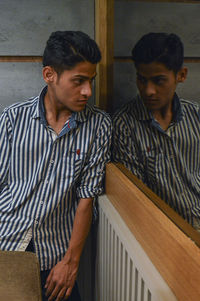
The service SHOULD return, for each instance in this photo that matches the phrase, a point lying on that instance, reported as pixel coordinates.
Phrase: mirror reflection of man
(157, 134)
(53, 151)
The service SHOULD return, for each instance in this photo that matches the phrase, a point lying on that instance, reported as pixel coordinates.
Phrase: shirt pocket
(155, 166)
(72, 165)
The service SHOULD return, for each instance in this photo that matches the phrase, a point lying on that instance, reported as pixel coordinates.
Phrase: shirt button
(36, 222)
(52, 161)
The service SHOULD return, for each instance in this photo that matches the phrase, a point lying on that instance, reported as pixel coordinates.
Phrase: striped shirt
(43, 175)
(168, 162)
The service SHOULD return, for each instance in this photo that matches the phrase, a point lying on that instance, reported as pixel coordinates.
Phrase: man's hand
(62, 277)
(61, 280)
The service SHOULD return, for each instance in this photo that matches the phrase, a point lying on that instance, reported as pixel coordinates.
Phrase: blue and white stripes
(42, 176)
(167, 161)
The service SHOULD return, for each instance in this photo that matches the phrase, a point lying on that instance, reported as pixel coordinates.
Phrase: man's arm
(62, 277)
(124, 145)
(90, 186)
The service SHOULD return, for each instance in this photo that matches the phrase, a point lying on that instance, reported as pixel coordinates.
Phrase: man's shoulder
(21, 106)
(189, 103)
(190, 106)
(128, 110)
(92, 111)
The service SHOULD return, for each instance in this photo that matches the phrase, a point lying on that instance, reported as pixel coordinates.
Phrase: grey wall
(134, 19)
(25, 27)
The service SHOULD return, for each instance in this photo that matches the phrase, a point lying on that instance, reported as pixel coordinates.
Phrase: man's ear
(182, 75)
(48, 74)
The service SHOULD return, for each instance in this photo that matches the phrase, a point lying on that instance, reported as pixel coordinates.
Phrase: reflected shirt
(43, 175)
(168, 162)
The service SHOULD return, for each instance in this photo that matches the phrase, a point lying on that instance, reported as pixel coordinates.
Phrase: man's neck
(56, 116)
(164, 117)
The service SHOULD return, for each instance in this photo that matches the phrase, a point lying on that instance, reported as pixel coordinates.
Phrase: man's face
(72, 88)
(156, 85)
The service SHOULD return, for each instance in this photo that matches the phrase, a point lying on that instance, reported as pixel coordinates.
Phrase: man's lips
(82, 101)
(151, 100)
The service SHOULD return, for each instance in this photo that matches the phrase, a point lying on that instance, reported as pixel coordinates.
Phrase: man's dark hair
(65, 49)
(159, 47)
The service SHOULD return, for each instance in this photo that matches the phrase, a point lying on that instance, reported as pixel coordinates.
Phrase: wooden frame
(174, 254)
(104, 26)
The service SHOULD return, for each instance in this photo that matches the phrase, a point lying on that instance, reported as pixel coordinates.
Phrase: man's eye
(141, 80)
(159, 81)
(78, 81)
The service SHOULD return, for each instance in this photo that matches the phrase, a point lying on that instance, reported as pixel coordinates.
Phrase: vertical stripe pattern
(166, 161)
(42, 175)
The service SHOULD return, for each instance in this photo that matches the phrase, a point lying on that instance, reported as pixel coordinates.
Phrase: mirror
(155, 16)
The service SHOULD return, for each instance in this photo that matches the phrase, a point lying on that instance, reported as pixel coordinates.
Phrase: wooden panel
(128, 59)
(104, 36)
(26, 25)
(135, 18)
(174, 254)
(30, 58)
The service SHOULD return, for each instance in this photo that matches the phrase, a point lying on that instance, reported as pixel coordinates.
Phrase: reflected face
(156, 85)
(72, 88)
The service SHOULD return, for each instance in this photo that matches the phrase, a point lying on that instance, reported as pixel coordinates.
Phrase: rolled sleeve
(93, 172)
(124, 147)
(5, 148)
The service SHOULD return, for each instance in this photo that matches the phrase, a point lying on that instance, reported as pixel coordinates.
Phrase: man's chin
(79, 108)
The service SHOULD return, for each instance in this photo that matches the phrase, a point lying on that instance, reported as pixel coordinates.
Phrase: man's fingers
(68, 293)
(50, 288)
(61, 294)
(55, 293)
(49, 279)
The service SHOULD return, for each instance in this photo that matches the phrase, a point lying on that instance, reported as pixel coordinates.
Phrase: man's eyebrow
(140, 75)
(84, 77)
(160, 75)
(156, 76)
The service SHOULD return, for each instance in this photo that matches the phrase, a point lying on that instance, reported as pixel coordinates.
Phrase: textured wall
(25, 27)
(19, 81)
(134, 19)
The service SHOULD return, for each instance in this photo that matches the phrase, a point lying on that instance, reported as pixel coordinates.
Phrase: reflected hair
(159, 47)
(65, 49)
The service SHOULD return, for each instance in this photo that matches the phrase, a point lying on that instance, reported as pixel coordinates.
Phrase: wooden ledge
(174, 254)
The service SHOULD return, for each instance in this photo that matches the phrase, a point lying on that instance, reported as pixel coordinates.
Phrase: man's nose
(150, 88)
(87, 89)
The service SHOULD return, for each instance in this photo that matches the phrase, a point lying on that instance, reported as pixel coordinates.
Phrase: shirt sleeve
(124, 148)
(5, 148)
(91, 183)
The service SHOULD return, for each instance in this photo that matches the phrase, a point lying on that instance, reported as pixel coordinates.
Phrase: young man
(53, 151)
(157, 134)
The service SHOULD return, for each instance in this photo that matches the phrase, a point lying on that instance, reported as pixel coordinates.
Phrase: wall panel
(24, 30)
(134, 18)
(26, 25)
(19, 81)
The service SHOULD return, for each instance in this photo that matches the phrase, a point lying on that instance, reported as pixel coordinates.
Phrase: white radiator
(124, 271)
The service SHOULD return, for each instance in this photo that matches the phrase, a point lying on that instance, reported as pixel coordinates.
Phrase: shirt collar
(39, 111)
(177, 109)
(145, 114)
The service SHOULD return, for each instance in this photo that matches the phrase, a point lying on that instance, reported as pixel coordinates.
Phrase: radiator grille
(124, 271)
